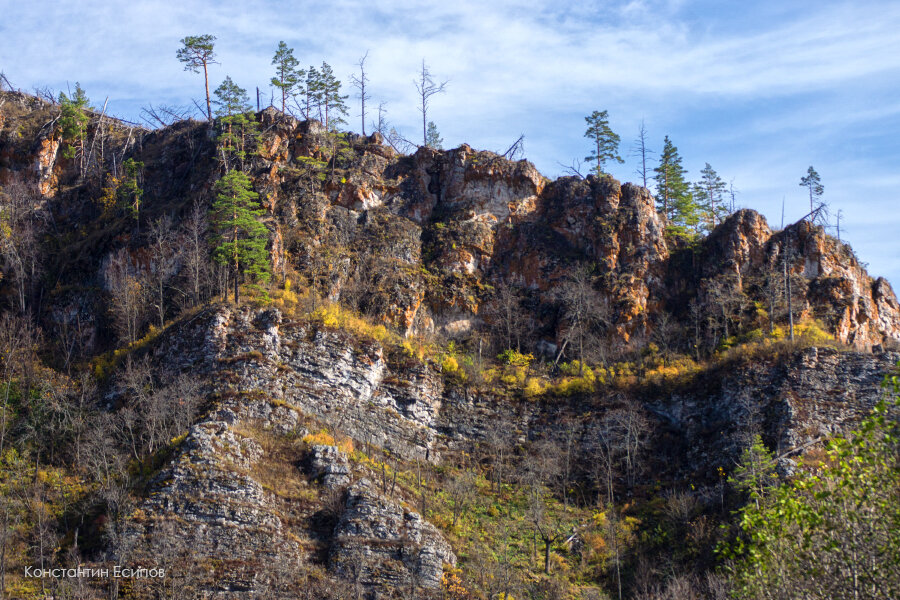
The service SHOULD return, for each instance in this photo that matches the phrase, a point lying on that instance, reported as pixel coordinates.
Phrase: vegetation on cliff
(590, 336)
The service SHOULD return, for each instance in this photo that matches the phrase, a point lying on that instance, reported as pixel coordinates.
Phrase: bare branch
(427, 88)
(516, 150)
(360, 84)
(575, 169)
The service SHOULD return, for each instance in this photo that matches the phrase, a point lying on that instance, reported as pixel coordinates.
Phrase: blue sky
(760, 90)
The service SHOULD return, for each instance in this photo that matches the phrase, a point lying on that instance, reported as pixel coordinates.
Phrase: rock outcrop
(378, 542)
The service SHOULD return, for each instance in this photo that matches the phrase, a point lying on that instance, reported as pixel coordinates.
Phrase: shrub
(449, 365)
(515, 359)
(534, 387)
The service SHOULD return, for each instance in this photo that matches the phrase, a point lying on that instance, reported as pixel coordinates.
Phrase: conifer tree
(198, 52)
(672, 194)
(709, 193)
(240, 239)
(73, 122)
(433, 137)
(312, 94)
(130, 190)
(332, 101)
(286, 75)
(235, 112)
(606, 143)
(814, 184)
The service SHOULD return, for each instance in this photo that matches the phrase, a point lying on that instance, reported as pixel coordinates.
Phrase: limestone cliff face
(829, 282)
(265, 377)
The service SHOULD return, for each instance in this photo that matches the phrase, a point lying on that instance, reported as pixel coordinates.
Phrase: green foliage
(831, 533)
(755, 473)
(287, 77)
(673, 195)
(606, 142)
(709, 195)
(328, 93)
(130, 190)
(231, 99)
(239, 137)
(73, 121)
(240, 239)
(433, 137)
(515, 359)
(813, 183)
(196, 51)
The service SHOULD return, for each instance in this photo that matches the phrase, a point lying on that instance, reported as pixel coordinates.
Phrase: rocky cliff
(351, 406)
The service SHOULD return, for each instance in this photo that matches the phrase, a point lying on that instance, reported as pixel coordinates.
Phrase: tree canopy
(813, 183)
(198, 52)
(240, 238)
(606, 142)
(833, 532)
(287, 77)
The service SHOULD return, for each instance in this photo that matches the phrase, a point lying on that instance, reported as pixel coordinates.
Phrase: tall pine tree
(287, 77)
(240, 239)
(606, 142)
(671, 188)
(709, 194)
(239, 137)
(198, 52)
(816, 189)
(332, 101)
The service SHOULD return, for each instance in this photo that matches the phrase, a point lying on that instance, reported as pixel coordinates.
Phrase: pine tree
(240, 239)
(333, 102)
(286, 75)
(672, 194)
(312, 93)
(606, 143)
(234, 111)
(709, 193)
(130, 190)
(814, 184)
(198, 52)
(433, 137)
(73, 122)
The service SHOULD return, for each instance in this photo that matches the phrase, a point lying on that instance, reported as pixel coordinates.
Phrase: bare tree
(126, 283)
(360, 84)
(462, 492)
(499, 442)
(724, 293)
(426, 87)
(665, 334)
(162, 262)
(21, 226)
(635, 428)
(510, 320)
(584, 311)
(640, 149)
(381, 125)
(541, 468)
(195, 253)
